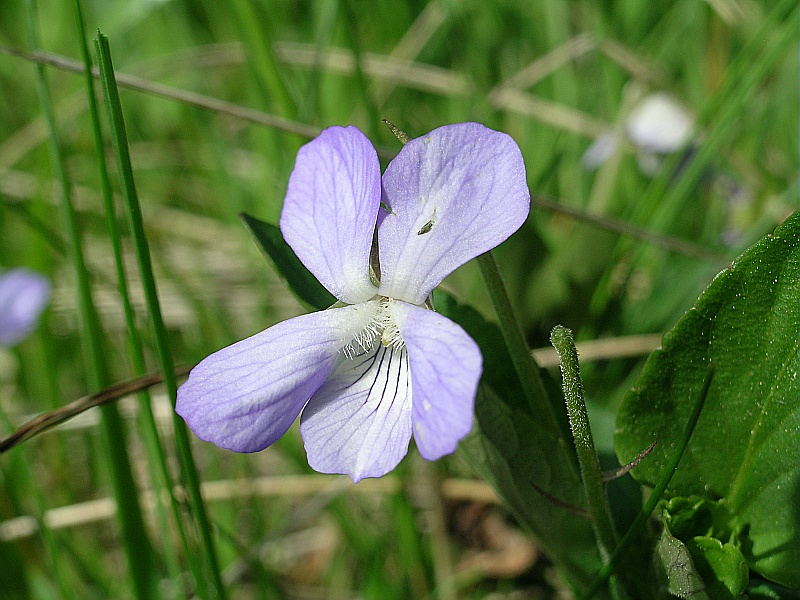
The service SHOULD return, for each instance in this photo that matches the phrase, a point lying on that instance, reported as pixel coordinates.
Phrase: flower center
(378, 324)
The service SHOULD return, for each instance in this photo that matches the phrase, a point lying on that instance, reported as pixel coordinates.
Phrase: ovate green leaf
(523, 461)
(745, 452)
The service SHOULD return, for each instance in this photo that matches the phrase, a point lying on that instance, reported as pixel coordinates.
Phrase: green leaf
(746, 447)
(299, 279)
(766, 590)
(513, 452)
(517, 453)
(677, 568)
(721, 566)
(213, 585)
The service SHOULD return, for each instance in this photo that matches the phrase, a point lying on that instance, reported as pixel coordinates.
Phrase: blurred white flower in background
(657, 125)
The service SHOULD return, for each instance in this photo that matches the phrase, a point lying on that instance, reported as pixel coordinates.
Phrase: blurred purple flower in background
(23, 296)
(378, 365)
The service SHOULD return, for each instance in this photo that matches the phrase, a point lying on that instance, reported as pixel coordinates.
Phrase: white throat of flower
(375, 321)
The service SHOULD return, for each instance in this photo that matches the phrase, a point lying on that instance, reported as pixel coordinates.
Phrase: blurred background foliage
(554, 74)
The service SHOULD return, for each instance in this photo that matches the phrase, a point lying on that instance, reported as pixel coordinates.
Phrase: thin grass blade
(142, 251)
(137, 545)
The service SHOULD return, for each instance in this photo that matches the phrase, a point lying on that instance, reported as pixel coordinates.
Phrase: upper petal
(454, 193)
(445, 368)
(330, 210)
(23, 296)
(359, 422)
(247, 395)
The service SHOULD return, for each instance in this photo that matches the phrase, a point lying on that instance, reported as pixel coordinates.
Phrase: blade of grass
(351, 28)
(157, 460)
(19, 472)
(134, 537)
(324, 30)
(411, 44)
(262, 58)
(666, 196)
(264, 63)
(142, 251)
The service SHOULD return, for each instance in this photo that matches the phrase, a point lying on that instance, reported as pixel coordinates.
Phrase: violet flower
(23, 296)
(378, 365)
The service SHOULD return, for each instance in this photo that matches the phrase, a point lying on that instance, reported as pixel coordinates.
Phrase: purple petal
(445, 368)
(23, 296)
(359, 422)
(247, 395)
(454, 194)
(330, 210)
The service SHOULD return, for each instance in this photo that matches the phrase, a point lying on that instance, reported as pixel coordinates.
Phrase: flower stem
(564, 343)
(524, 363)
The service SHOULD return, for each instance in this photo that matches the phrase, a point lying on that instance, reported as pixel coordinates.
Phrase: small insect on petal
(429, 225)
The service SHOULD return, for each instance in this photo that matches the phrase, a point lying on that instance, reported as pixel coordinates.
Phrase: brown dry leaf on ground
(495, 548)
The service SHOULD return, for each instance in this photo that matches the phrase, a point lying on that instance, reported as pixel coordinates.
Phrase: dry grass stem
(287, 486)
(422, 29)
(633, 63)
(603, 349)
(545, 111)
(550, 62)
(415, 75)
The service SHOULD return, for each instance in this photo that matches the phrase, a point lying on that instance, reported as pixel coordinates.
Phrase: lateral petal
(330, 210)
(445, 367)
(453, 194)
(359, 422)
(244, 397)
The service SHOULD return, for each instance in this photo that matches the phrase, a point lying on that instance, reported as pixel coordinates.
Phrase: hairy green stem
(564, 343)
